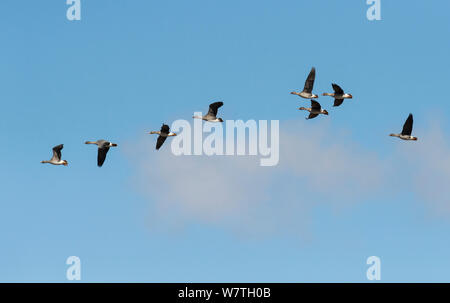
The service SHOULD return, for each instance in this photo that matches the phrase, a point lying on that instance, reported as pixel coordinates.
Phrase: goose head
(314, 96)
(325, 112)
(219, 119)
(349, 96)
(65, 163)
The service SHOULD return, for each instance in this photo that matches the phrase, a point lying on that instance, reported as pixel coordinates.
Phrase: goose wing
(315, 105)
(338, 102)
(101, 155)
(337, 89)
(160, 141)
(213, 107)
(57, 152)
(309, 83)
(408, 126)
(311, 115)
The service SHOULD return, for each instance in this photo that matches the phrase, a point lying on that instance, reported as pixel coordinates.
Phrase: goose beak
(114, 144)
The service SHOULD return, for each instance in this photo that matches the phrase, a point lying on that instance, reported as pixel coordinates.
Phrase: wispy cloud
(238, 194)
(428, 167)
(315, 168)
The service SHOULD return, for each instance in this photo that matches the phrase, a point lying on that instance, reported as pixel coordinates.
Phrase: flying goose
(103, 148)
(163, 134)
(407, 130)
(212, 113)
(338, 95)
(315, 110)
(309, 84)
(56, 158)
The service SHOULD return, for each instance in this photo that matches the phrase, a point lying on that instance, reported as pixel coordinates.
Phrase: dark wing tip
(337, 89)
(160, 142)
(216, 104)
(101, 156)
(407, 127)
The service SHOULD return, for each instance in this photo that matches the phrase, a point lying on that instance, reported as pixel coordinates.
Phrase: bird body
(407, 130)
(103, 148)
(309, 85)
(338, 95)
(314, 110)
(163, 134)
(211, 116)
(56, 158)
(404, 137)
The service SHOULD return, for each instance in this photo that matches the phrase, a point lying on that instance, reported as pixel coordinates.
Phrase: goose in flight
(338, 95)
(103, 148)
(163, 134)
(309, 84)
(315, 110)
(212, 113)
(407, 130)
(56, 159)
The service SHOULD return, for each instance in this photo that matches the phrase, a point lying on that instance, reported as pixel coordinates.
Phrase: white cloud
(428, 165)
(236, 193)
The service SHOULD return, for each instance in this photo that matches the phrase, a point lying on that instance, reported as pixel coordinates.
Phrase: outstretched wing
(337, 89)
(101, 155)
(213, 107)
(315, 105)
(311, 115)
(160, 141)
(338, 102)
(309, 83)
(408, 126)
(57, 152)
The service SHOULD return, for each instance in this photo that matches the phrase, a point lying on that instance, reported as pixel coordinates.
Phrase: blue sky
(129, 66)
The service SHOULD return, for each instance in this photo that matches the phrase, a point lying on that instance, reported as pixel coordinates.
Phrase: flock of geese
(339, 96)
(316, 109)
